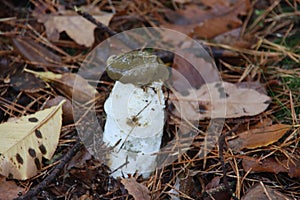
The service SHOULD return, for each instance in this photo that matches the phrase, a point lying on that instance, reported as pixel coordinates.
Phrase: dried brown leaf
(9, 189)
(78, 28)
(259, 137)
(137, 190)
(260, 191)
(35, 52)
(265, 165)
(219, 100)
(67, 108)
(191, 71)
(208, 21)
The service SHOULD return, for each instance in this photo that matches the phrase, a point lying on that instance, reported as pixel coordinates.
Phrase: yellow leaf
(25, 140)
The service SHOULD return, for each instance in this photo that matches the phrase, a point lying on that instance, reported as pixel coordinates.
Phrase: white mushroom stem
(135, 119)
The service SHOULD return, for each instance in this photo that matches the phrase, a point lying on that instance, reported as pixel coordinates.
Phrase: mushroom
(135, 112)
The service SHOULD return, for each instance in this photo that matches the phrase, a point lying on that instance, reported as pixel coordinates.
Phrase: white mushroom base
(135, 119)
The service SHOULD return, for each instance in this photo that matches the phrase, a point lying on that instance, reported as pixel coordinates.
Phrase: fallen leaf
(78, 28)
(36, 53)
(292, 167)
(219, 100)
(258, 137)
(9, 189)
(137, 190)
(197, 71)
(25, 140)
(71, 85)
(259, 192)
(265, 165)
(26, 82)
(209, 20)
(67, 108)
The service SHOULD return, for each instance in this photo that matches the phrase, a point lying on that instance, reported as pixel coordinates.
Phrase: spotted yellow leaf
(25, 140)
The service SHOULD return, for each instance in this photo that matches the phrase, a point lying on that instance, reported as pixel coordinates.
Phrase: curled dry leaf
(78, 28)
(258, 137)
(25, 140)
(137, 190)
(219, 100)
(71, 85)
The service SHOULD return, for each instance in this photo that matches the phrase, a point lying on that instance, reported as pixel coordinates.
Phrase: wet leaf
(25, 140)
(137, 190)
(259, 137)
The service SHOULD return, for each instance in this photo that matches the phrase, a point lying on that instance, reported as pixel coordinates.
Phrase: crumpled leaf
(137, 190)
(26, 82)
(219, 100)
(258, 192)
(9, 189)
(78, 28)
(258, 137)
(25, 140)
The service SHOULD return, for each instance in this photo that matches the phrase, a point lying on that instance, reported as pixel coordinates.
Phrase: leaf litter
(254, 38)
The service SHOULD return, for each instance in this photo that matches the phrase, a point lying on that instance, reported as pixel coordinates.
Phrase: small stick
(45, 183)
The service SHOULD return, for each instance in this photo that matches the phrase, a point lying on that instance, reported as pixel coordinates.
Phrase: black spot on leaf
(37, 163)
(202, 109)
(38, 134)
(33, 119)
(19, 158)
(32, 152)
(43, 149)
(10, 176)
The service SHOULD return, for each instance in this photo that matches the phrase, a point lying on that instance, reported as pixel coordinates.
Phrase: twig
(221, 149)
(45, 183)
(99, 25)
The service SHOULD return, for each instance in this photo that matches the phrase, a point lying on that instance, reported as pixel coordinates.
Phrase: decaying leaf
(219, 100)
(78, 28)
(71, 85)
(25, 140)
(137, 190)
(261, 191)
(258, 137)
(9, 189)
